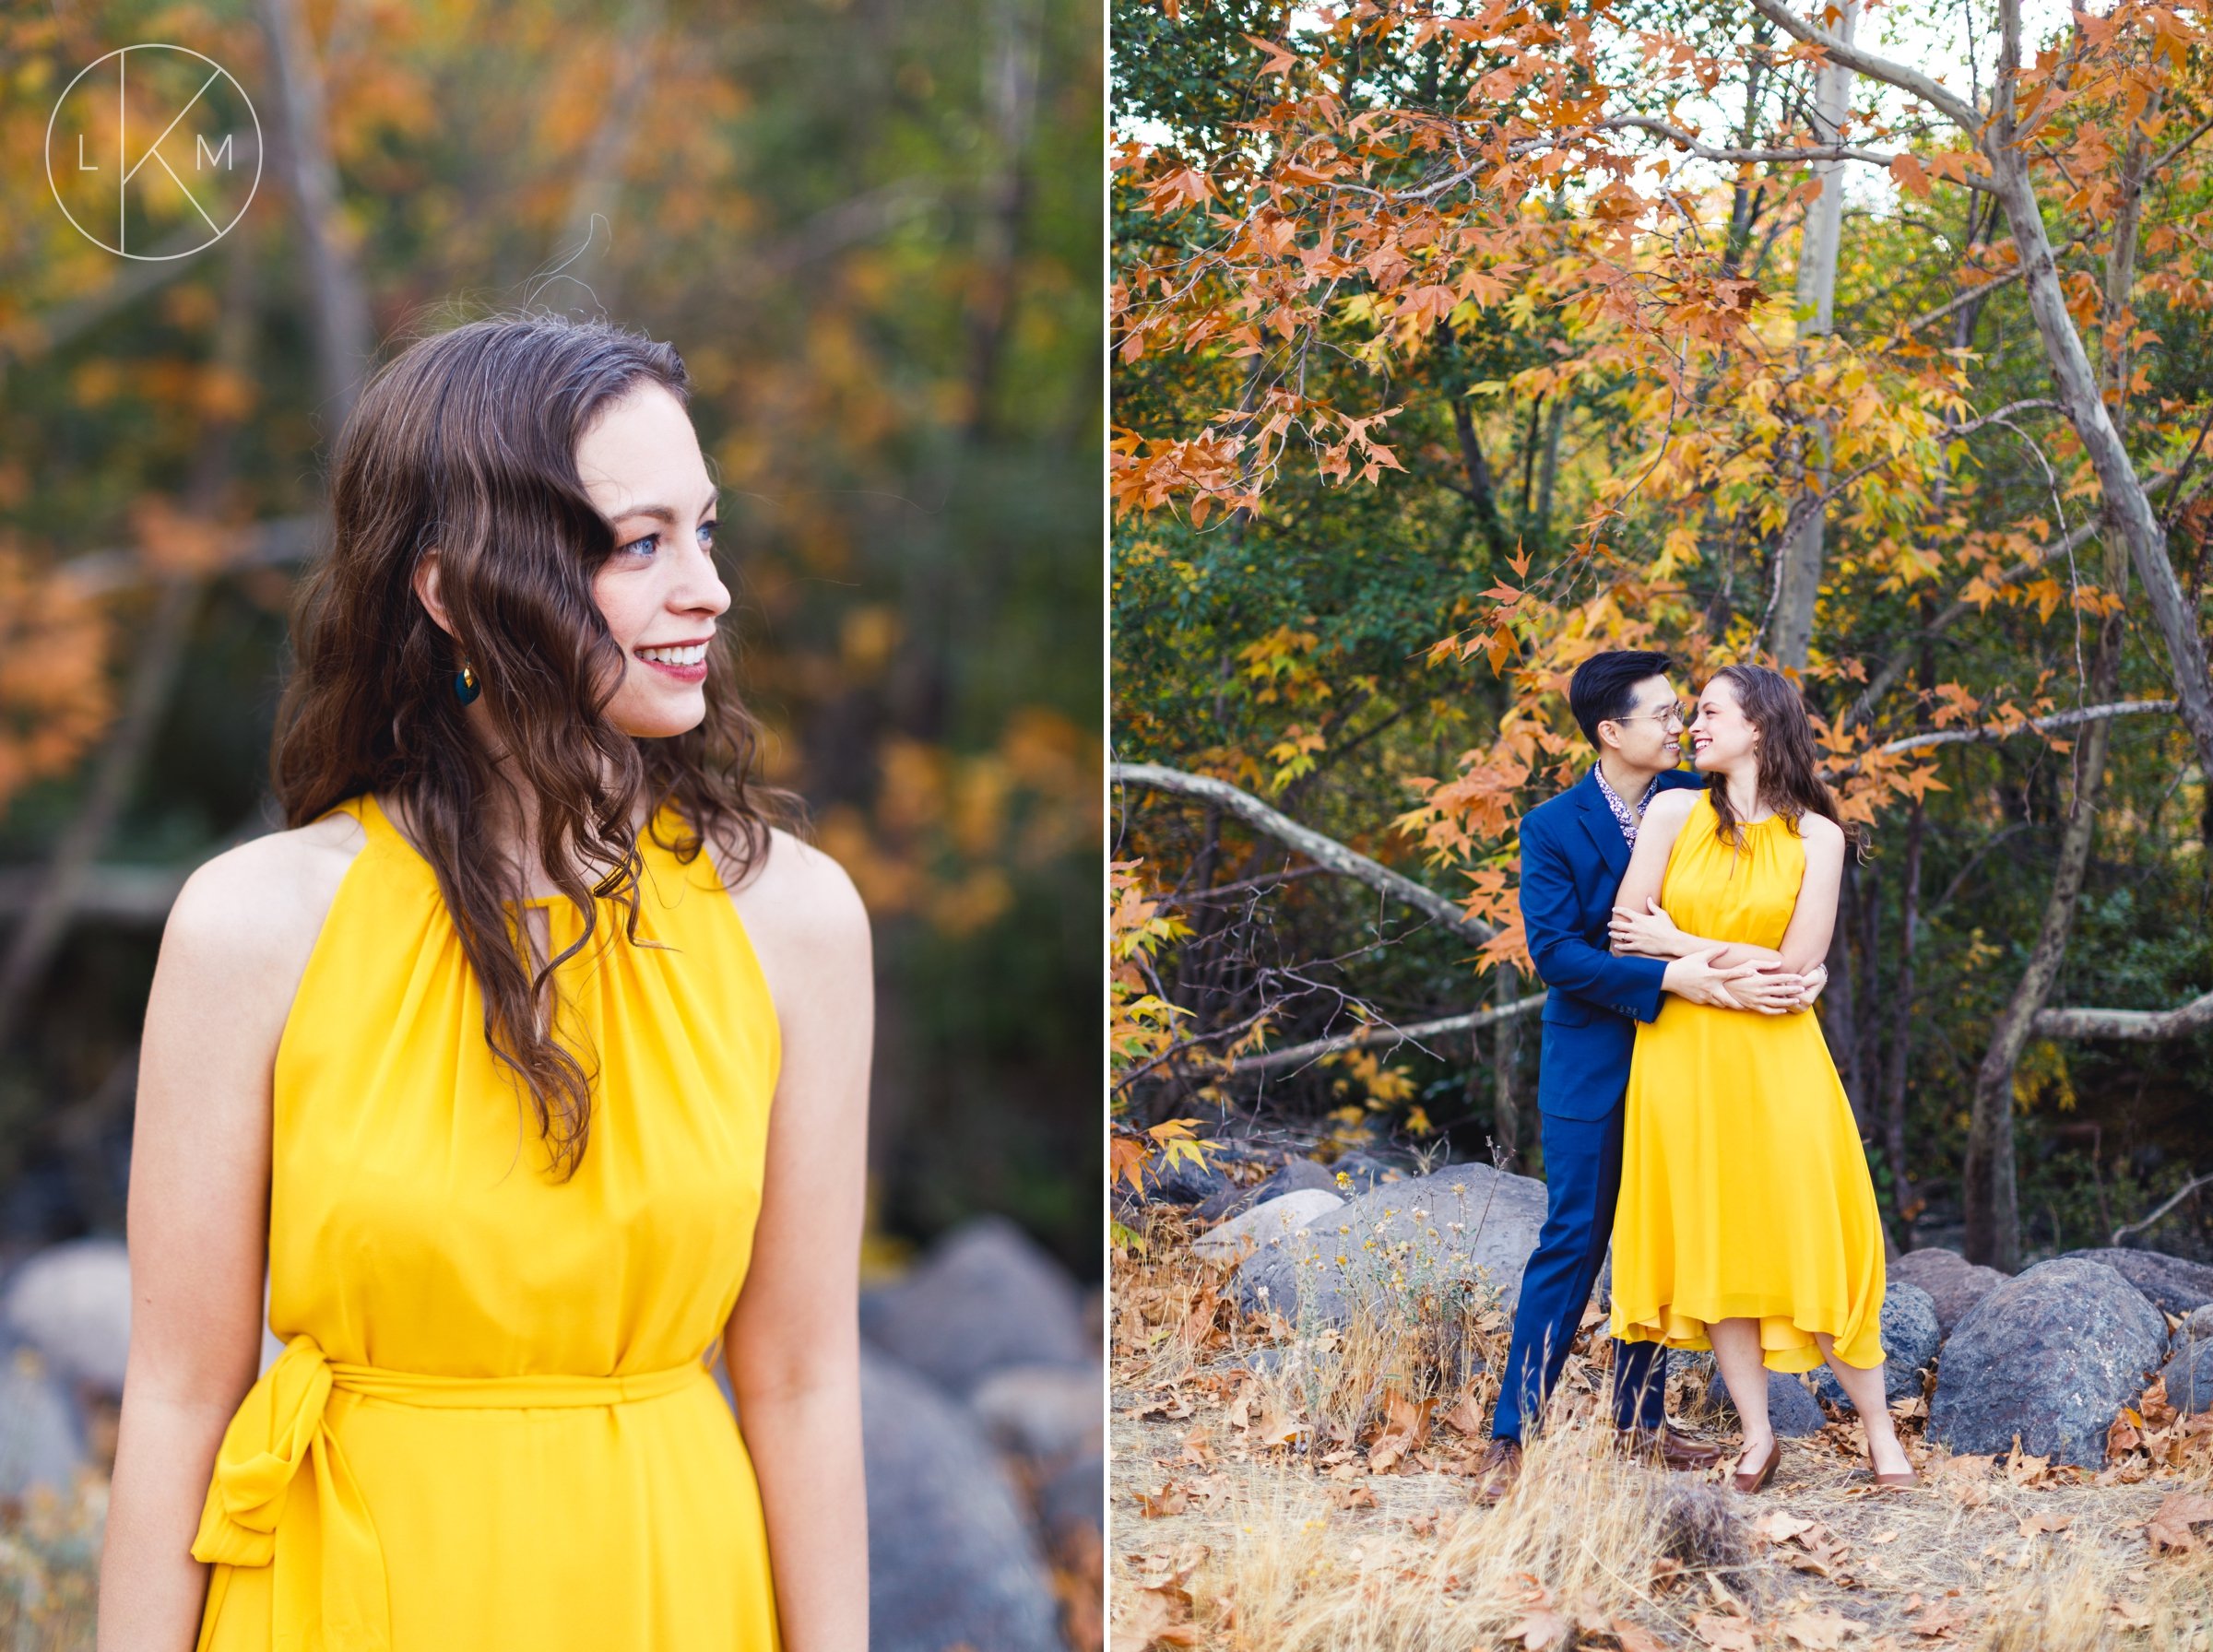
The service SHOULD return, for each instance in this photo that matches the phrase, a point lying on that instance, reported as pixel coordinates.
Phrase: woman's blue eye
(648, 539)
(708, 529)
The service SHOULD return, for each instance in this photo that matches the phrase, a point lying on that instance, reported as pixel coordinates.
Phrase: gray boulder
(1182, 1183)
(985, 1297)
(72, 1302)
(1042, 1410)
(2175, 1285)
(1791, 1412)
(1458, 1230)
(1294, 1175)
(2196, 1326)
(1909, 1333)
(1265, 1224)
(2051, 1355)
(1954, 1283)
(951, 1558)
(2189, 1373)
(1366, 1172)
(1074, 1498)
(42, 1437)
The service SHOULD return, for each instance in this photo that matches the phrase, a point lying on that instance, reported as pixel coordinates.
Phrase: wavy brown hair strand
(1790, 766)
(467, 440)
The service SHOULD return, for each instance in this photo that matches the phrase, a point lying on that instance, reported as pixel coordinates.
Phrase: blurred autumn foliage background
(872, 230)
(1454, 342)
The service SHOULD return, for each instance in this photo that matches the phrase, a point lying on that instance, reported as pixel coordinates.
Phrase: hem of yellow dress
(1790, 1361)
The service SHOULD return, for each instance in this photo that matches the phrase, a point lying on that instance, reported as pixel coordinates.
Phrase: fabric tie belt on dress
(328, 1583)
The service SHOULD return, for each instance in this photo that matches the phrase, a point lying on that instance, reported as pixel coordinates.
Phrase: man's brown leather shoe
(1664, 1447)
(1501, 1466)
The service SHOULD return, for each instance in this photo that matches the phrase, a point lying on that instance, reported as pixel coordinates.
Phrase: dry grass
(50, 1567)
(1321, 1502)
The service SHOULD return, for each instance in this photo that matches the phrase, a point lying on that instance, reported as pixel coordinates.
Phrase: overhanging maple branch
(1323, 851)
(1875, 67)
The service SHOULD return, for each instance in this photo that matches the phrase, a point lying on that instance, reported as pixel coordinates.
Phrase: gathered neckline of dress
(646, 845)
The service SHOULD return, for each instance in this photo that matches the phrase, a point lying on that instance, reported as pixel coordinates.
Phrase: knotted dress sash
(328, 1585)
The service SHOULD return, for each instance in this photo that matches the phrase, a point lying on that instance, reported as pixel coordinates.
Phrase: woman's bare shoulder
(797, 902)
(1672, 807)
(265, 900)
(1821, 829)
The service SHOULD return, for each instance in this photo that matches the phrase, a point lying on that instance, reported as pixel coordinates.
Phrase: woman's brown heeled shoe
(1754, 1479)
(1907, 1479)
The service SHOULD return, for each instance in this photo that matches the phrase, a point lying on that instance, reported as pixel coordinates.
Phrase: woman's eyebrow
(663, 513)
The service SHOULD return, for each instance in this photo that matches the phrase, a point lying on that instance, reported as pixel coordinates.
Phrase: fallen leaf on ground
(2169, 1526)
(1274, 1428)
(1822, 1631)
(1465, 1416)
(1171, 1499)
(2130, 1613)
(1354, 1497)
(2047, 1521)
(1160, 1618)
(1541, 1631)
(1779, 1527)
(1937, 1619)
(1634, 1637)
(1723, 1634)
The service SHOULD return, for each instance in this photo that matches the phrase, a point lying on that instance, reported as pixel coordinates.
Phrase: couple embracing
(1690, 1109)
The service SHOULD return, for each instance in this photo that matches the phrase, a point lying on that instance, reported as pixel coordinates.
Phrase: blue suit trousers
(1582, 1179)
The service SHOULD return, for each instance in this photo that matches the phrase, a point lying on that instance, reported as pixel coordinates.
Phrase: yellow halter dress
(496, 1422)
(1745, 1191)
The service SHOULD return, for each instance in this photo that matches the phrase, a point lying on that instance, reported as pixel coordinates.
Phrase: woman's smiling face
(1722, 735)
(659, 591)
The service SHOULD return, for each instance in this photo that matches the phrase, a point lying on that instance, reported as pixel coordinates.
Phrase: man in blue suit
(1575, 848)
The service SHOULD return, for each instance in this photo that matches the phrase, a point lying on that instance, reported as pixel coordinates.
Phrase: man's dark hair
(1605, 686)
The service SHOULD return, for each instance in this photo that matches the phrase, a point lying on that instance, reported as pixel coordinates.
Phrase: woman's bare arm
(793, 1345)
(235, 946)
(1638, 897)
(1813, 918)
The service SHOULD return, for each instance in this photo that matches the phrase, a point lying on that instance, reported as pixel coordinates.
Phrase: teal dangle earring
(465, 687)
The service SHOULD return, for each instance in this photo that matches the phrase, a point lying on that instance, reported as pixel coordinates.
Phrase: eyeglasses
(1674, 714)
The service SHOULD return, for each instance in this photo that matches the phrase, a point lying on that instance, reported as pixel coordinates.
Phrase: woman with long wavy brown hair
(1747, 1220)
(531, 1060)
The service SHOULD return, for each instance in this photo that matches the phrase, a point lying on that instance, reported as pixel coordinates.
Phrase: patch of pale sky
(1955, 41)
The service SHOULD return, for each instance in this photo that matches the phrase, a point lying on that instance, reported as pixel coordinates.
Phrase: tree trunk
(1993, 1208)
(1481, 492)
(2128, 506)
(1799, 580)
(1900, 1062)
(345, 338)
(156, 656)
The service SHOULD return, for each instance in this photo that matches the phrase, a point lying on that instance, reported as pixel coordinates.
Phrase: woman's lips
(681, 673)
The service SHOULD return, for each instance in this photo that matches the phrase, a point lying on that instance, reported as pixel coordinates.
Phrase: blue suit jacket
(1572, 862)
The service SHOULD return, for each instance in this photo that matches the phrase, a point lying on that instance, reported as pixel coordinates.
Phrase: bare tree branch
(2182, 1192)
(1689, 140)
(2142, 1025)
(1382, 1031)
(1875, 67)
(1324, 851)
(2005, 731)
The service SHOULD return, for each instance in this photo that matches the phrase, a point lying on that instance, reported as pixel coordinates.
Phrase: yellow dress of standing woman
(494, 1424)
(1745, 1191)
